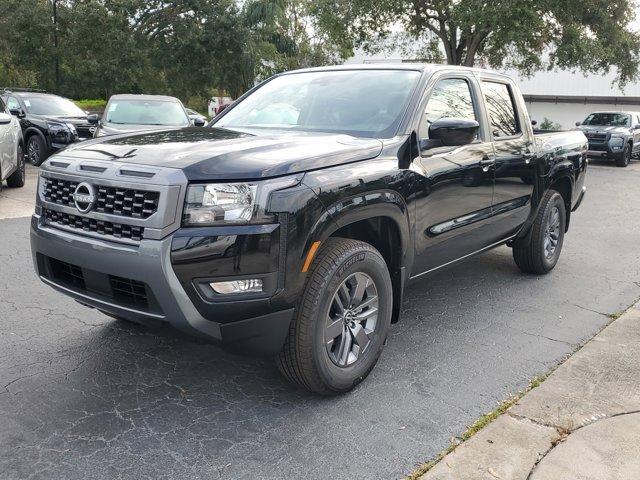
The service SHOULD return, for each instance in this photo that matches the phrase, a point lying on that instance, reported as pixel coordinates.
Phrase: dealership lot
(88, 397)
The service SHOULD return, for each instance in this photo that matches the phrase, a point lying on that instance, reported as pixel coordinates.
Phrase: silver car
(11, 149)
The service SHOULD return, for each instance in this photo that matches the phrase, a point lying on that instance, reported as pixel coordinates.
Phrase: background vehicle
(134, 113)
(306, 209)
(196, 118)
(614, 135)
(49, 122)
(11, 149)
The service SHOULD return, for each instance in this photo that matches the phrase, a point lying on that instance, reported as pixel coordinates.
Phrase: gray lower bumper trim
(149, 263)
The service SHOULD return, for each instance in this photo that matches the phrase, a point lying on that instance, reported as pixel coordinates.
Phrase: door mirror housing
(578, 124)
(451, 132)
(93, 119)
(198, 122)
(534, 123)
(17, 112)
(5, 118)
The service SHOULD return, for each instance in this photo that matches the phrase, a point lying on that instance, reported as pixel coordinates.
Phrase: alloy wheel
(351, 320)
(552, 232)
(33, 152)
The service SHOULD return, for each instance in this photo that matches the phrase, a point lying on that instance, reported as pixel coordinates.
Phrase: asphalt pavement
(84, 396)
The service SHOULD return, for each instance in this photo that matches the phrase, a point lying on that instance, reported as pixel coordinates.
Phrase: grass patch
(478, 425)
(91, 104)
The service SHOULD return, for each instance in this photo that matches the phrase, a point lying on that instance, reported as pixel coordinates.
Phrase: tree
(591, 35)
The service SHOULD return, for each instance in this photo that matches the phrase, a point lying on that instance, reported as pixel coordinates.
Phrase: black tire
(307, 358)
(535, 256)
(625, 159)
(36, 150)
(16, 179)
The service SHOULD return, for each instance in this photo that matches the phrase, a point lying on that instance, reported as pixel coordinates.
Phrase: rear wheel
(626, 156)
(16, 179)
(541, 252)
(36, 150)
(342, 321)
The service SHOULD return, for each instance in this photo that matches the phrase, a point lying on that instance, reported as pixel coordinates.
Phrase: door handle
(487, 162)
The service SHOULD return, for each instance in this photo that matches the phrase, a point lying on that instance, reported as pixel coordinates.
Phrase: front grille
(123, 202)
(71, 275)
(597, 137)
(123, 291)
(92, 225)
(598, 147)
(129, 292)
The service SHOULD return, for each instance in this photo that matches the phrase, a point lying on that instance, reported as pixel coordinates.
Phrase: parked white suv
(11, 149)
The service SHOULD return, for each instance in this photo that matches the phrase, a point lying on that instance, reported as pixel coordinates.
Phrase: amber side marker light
(310, 255)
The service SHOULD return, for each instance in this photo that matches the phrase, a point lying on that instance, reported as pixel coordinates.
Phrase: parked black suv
(49, 122)
(292, 224)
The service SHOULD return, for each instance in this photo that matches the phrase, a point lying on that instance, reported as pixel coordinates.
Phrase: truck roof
(135, 96)
(421, 67)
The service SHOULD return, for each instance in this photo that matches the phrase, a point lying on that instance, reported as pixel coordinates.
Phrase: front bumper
(138, 283)
(603, 150)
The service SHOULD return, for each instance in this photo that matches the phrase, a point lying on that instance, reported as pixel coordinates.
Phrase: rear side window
(450, 98)
(501, 108)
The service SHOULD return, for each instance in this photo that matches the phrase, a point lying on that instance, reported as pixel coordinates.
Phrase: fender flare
(30, 131)
(382, 203)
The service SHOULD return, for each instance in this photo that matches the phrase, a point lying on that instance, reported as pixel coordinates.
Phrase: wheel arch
(382, 223)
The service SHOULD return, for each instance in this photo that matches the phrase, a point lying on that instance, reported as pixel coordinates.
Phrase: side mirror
(93, 119)
(198, 122)
(534, 123)
(17, 112)
(578, 124)
(453, 132)
(5, 118)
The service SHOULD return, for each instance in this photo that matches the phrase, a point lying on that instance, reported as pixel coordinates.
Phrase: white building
(561, 96)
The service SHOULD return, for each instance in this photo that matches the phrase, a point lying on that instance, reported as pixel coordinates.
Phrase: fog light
(252, 285)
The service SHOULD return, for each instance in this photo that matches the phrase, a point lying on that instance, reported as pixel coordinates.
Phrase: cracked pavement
(84, 396)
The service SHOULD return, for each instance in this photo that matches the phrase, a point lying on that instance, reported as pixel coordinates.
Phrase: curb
(599, 381)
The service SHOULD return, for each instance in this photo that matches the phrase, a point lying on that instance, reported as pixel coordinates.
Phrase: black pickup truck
(292, 224)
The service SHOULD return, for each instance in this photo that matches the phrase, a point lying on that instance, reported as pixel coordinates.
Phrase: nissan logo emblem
(84, 197)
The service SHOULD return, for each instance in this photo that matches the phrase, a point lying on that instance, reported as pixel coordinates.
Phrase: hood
(63, 119)
(219, 154)
(602, 129)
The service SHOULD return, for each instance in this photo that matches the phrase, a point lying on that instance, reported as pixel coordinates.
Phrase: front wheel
(626, 156)
(16, 179)
(342, 320)
(542, 250)
(36, 150)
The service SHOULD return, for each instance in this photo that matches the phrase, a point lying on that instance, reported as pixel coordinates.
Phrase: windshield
(608, 119)
(52, 105)
(365, 103)
(146, 112)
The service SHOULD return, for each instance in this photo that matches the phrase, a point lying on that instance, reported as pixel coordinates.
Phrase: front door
(453, 203)
(514, 158)
(6, 142)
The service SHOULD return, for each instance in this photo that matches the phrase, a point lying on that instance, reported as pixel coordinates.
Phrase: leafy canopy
(529, 35)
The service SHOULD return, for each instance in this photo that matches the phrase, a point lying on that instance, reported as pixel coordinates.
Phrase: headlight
(62, 132)
(616, 141)
(231, 203)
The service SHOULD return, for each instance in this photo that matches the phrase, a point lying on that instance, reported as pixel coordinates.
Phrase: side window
(501, 108)
(450, 98)
(12, 103)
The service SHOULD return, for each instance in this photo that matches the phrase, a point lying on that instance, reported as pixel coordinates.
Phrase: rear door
(514, 155)
(453, 205)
